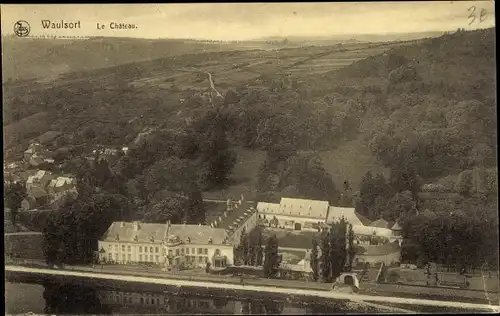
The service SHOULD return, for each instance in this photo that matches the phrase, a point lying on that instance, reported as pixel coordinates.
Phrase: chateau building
(166, 245)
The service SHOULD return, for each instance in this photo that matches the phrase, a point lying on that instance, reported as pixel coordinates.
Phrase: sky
(243, 21)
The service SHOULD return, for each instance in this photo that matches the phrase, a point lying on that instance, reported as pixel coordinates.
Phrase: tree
(337, 249)
(325, 256)
(314, 259)
(260, 251)
(399, 205)
(351, 250)
(271, 261)
(15, 193)
(72, 231)
(243, 246)
(170, 209)
(307, 174)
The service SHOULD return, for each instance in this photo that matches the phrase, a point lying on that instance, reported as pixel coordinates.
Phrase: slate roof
(304, 208)
(199, 234)
(378, 250)
(368, 231)
(296, 207)
(335, 214)
(381, 223)
(396, 226)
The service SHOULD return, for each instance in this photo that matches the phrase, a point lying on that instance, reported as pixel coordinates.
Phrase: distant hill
(352, 38)
(48, 58)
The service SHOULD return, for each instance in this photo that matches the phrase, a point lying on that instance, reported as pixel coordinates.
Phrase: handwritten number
(472, 11)
(472, 15)
(482, 16)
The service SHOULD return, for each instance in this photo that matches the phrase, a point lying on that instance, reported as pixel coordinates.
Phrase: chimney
(168, 223)
(137, 226)
(122, 224)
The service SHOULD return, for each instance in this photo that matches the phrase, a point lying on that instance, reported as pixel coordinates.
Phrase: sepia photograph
(250, 158)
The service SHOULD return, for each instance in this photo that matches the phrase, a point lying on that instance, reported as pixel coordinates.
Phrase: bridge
(356, 298)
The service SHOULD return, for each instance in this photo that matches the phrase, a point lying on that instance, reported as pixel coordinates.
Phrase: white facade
(290, 222)
(166, 245)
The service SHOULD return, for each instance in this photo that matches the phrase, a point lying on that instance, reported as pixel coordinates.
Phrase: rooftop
(157, 232)
(371, 231)
(379, 250)
(381, 223)
(335, 213)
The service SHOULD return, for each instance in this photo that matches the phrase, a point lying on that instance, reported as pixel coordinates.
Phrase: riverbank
(372, 289)
(34, 275)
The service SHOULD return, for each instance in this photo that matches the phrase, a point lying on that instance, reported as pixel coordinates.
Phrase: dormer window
(117, 237)
(210, 240)
(189, 240)
(136, 238)
(152, 239)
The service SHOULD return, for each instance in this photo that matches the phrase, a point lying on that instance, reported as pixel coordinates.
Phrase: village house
(60, 187)
(33, 148)
(166, 245)
(39, 180)
(37, 197)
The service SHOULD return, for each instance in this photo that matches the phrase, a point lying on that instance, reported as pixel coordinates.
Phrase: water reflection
(70, 298)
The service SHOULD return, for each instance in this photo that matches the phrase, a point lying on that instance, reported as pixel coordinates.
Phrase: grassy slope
(49, 58)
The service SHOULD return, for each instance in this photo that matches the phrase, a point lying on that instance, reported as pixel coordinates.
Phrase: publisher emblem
(21, 28)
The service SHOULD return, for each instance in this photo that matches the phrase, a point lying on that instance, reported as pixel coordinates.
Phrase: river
(71, 298)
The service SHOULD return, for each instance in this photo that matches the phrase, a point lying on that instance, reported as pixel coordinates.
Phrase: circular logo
(21, 28)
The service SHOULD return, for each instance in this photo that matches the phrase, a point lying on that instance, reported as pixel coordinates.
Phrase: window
(110, 256)
(182, 251)
(187, 251)
(123, 257)
(140, 248)
(177, 251)
(140, 258)
(116, 256)
(200, 259)
(142, 300)
(129, 257)
(206, 251)
(193, 251)
(151, 258)
(156, 249)
(170, 252)
(123, 248)
(206, 259)
(200, 250)
(116, 248)
(151, 249)
(157, 258)
(129, 249)
(146, 249)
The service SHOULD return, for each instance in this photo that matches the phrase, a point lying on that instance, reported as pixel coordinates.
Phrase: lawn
(243, 177)
(291, 239)
(350, 161)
